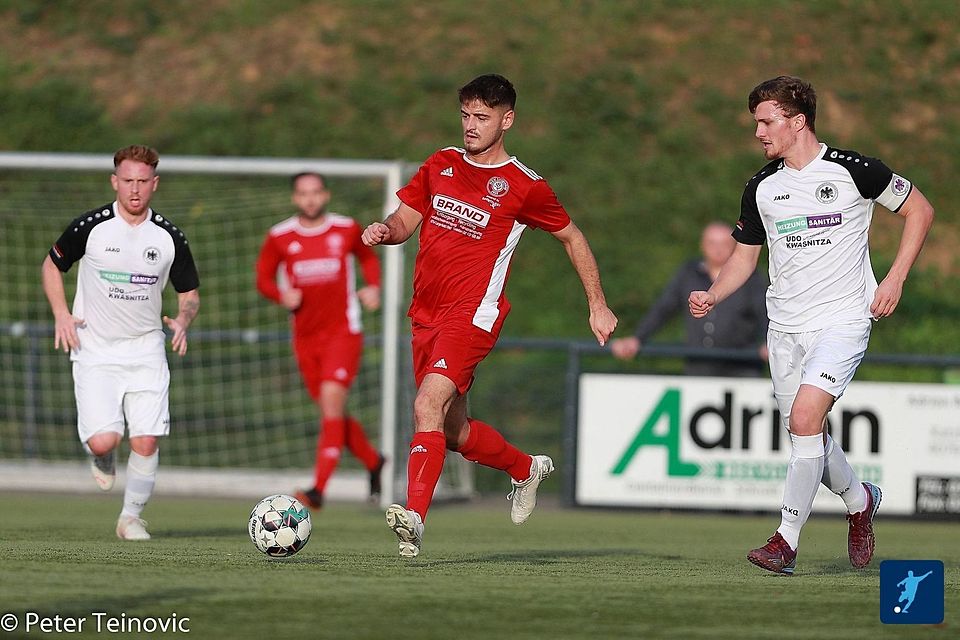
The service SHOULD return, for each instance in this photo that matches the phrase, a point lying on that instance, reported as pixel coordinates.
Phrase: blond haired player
(114, 334)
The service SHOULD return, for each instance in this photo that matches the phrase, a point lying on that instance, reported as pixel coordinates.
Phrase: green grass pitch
(564, 574)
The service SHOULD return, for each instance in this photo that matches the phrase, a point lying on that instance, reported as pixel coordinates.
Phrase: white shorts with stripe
(826, 359)
(111, 395)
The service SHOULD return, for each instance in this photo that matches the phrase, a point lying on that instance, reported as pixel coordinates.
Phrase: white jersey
(815, 222)
(123, 270)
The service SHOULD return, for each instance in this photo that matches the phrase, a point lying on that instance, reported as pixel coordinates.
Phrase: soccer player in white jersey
(812, 204)
(127, 253)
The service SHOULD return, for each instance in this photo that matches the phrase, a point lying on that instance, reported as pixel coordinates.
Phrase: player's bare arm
(735, 272)
(602, 319)
(918, 217)
(395, 229)
(189, 306)
(65, 324)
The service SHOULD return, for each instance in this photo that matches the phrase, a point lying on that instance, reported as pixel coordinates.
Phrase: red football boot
(776, 556)
(860, 538)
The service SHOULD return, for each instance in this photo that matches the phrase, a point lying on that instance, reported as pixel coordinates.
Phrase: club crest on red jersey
(498, 187)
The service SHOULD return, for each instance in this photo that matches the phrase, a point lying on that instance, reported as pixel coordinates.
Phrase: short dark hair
(491, 89)
(137, 153)
(791, 94)
(303, 174)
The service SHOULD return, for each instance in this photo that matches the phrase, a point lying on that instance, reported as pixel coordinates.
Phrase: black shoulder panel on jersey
(750, 227)
(183, 271)
(869, 174)
(72, 243)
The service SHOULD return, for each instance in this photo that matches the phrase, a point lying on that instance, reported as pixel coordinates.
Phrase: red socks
(486, 446)
(360, 446)
(329, 445)
(427, 452)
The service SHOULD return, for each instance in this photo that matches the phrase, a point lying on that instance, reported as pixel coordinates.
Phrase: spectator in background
(740, 322)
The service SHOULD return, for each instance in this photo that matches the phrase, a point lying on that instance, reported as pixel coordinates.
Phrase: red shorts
(335, 358)
(452, 349)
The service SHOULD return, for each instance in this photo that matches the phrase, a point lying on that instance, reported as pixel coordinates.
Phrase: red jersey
(473, 216)
(320, 262)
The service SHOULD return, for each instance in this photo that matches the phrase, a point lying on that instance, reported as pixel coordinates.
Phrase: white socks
(839, 477)
(803, 479)
(141, 476)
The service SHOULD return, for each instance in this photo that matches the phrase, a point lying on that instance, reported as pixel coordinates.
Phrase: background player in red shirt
(317, 251)
(473, 204)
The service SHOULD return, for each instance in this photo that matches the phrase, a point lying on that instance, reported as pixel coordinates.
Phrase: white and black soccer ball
(280, 526)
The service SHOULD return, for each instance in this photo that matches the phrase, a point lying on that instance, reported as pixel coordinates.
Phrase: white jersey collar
(488, 166)
(819, 156)
(116, 214)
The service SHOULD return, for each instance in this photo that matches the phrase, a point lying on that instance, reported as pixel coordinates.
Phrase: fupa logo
(911, 592)
(729, 426)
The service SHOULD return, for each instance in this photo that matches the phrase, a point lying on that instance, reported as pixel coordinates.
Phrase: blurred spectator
(739, 322)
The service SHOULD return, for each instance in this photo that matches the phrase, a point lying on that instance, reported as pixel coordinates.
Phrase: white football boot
(409, 529)
(130, 528)
(524, 494)
(104, 469)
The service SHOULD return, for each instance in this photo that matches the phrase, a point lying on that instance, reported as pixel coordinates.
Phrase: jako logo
(827, 376)
(736, 425)
(791, 510)
(782, 196)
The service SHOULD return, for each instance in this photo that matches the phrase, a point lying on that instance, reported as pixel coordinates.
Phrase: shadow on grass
(842, 568)
(153, 601)
(548, 557)
(192, 532)
(839, 568)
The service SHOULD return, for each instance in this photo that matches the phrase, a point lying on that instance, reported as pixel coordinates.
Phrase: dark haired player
(317, 252)
(472, 205)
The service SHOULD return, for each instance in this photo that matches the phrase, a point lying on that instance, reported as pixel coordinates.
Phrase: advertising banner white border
(718, 443)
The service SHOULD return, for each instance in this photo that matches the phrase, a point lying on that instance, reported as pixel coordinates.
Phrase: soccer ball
(280, 526)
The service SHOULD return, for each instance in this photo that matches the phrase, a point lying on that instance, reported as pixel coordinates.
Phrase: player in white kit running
(127, 253)
(812, 204)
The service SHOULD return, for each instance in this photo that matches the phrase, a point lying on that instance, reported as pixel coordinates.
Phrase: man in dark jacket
(740, 322)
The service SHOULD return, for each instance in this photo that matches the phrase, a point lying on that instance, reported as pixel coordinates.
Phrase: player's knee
(427, 411)
(805, 421)
(103, 443)
(145, 445)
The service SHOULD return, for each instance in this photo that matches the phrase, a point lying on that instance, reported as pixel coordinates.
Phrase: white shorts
(108, 393)
(826, 359)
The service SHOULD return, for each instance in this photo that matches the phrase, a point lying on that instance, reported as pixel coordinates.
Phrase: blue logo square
(911, 592)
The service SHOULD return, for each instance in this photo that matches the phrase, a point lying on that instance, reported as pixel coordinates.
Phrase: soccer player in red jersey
(473, 204)
(317, 250)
